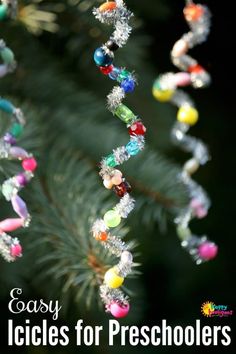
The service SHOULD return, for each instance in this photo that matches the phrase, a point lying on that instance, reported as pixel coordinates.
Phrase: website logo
(210, 309)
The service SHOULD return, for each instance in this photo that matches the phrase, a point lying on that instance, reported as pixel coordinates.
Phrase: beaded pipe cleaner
(165, 89)
(10, 247)
(116, 13)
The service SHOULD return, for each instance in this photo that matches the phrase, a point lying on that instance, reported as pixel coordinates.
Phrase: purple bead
(8, 138)
(18, 152)
(19, 206)
(21, 179)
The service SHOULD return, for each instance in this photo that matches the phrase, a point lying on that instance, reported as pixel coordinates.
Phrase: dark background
(174, 287)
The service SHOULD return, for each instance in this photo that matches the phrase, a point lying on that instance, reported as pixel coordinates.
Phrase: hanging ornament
(166, 89)
(10, 247)
(116, 13)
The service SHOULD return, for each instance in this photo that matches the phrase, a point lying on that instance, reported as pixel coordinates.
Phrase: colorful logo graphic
(209, 309)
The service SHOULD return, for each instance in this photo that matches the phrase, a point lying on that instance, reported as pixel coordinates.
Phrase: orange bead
(102, 236)
(196, 69)
(107, 6)
(193, 12)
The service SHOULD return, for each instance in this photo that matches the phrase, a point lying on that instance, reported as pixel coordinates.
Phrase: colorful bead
(208, 250)
(108, 183)
(3, 11)
(193, 12)
(106, 69)
(116, 178)
(187, 115)
(196, 69)
(183, 232)
(9, 138)
(108, 6)
(128, 85)
(101, 58)
(122, 189)
(132, 148)
(21, 179)
(19, 206)
(124, 74)
(16, 250)
(7, 55)
(112, 218)
(125, 114)
(182, 79)
(29, 164)
(110, 160)
(112, 279)
(9, 225)
(114, 73)
(102, 236)
(162, 95)
(16, 130)
(118, 310)
(6, 106)
(137, 128)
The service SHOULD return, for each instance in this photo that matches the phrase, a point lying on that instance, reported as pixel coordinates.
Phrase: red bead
(102, 236)
(193, 12)
(196, 69)
(122, 189)
(106, 69)
(29, 164)
(137, 129)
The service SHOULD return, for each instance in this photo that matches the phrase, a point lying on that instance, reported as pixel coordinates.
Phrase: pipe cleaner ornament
(10, 247)
(165, 89)
(116, 13)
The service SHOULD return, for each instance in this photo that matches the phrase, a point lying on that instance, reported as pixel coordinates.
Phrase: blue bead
(132, 148)
(128, 85)
(6, 106)
(101, 58)
(114, 74)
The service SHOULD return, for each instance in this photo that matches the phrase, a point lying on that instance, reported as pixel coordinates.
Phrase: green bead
(3, 12)
(7, 55)
(183, 232)
(16, 130)
(112, 218)
(124, 74)
(125, 114)
(110, 160)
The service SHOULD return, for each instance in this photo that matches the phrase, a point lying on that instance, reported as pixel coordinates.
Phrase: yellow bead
(162, 95)
(187, 115)
(112, 279)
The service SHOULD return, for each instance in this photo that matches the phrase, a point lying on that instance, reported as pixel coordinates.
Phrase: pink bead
(201, 213)
(182, 79)
(16, 250)
(119, 311)
(208, 250)
(29, 164)
(195, 203)
(11, 224)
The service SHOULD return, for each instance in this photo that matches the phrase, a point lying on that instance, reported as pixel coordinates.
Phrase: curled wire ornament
(10, 247)
(115, 13)
(166, 88)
